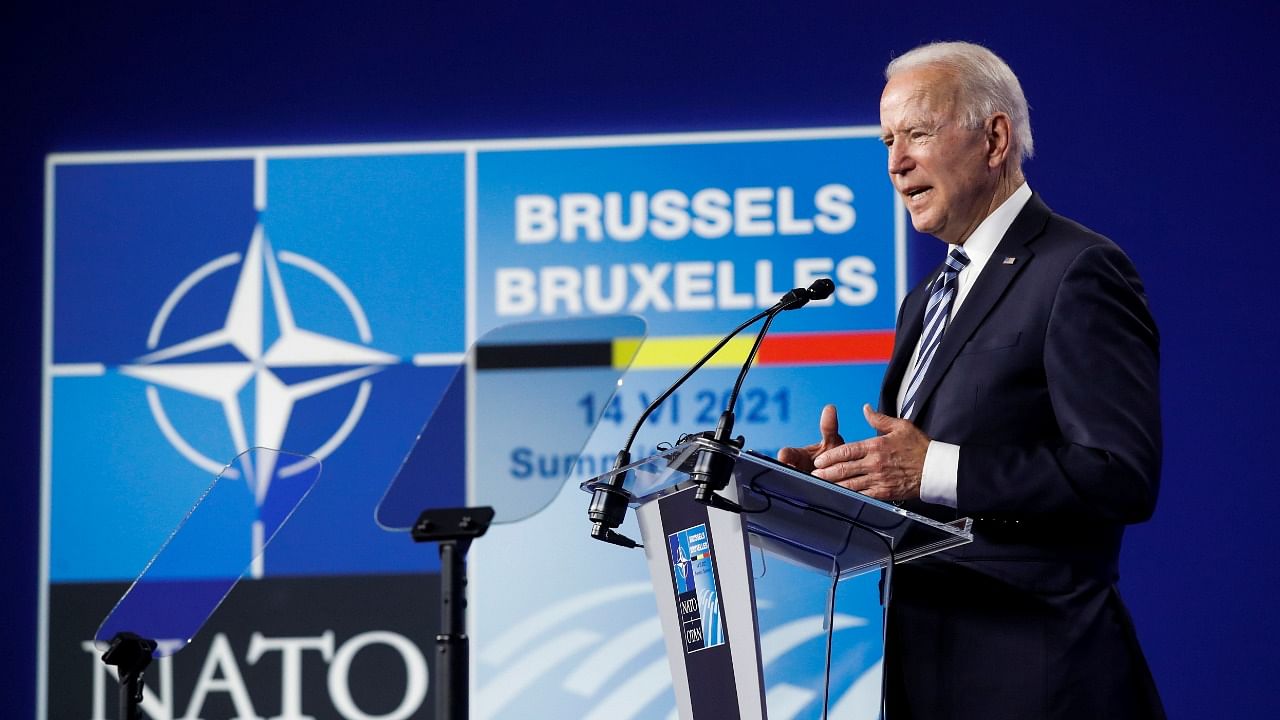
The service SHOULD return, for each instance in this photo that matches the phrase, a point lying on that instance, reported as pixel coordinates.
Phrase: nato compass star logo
(263, 341)
(244, 329)
(682, 566)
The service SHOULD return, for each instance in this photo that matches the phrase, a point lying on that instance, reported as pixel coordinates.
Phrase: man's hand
(886, 467)
(802, 458)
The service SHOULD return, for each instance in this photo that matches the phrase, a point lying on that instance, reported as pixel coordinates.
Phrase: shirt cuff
(940, 476)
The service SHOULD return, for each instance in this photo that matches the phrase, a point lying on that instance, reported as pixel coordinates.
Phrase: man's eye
(919, 135)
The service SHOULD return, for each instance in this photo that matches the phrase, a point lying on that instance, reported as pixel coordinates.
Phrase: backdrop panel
(318, 299)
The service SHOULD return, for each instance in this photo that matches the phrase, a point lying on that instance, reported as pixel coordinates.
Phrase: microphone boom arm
(711, 469)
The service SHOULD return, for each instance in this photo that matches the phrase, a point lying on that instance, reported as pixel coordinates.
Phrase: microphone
(819, 289)
(609, 502)
(712, 469)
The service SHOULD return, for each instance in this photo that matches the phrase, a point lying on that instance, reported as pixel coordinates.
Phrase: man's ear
(999, 137)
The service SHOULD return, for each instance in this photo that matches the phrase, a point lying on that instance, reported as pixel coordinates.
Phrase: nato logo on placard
(681, 568)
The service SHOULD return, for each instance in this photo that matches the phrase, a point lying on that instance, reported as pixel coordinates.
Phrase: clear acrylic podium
(701, 558)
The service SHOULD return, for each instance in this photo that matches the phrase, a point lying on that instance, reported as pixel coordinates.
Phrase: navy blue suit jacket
(1047, 378)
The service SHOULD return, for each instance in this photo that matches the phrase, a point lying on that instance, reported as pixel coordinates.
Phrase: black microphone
(819, 289)
(795, 299)
(609, 502)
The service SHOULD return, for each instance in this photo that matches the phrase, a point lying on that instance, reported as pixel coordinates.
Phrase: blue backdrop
(1153, 126)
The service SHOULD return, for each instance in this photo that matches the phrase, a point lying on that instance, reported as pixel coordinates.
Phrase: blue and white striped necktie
(936, 317)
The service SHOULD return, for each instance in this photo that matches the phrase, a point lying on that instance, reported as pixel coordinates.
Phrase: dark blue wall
(1155, 125)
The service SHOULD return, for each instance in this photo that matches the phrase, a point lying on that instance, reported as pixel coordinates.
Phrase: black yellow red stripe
(675, 352)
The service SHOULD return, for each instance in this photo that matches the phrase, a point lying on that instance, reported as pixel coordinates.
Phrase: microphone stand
(712, 469)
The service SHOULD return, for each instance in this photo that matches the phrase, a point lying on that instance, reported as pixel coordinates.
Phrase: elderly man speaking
(1022, 392)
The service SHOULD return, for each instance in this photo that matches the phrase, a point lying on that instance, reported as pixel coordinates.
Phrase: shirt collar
(982, 243)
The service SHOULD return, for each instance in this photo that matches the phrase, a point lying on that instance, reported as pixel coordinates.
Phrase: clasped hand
(886, 467)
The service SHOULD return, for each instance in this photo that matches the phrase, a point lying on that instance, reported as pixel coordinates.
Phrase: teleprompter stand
(131, 655)
(698, 549)
(520, 386)
(453, 529)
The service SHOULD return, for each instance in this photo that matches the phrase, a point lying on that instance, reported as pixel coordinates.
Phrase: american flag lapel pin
(1010, 260)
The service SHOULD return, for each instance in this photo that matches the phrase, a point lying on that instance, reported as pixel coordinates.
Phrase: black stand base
(131, 655)
(453, 529)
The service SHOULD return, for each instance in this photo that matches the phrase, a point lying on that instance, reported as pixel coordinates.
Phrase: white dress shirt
(942, 460)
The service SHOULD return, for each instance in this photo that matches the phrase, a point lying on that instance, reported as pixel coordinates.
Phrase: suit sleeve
(1101, 369)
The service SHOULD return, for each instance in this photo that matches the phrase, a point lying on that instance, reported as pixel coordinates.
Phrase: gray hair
(986, 85)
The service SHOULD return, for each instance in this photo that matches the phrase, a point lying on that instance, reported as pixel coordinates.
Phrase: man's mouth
(916, 193)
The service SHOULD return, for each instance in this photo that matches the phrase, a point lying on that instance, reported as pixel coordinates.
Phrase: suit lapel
(986, 291)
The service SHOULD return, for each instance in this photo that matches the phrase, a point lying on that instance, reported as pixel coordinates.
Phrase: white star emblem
(225, 382)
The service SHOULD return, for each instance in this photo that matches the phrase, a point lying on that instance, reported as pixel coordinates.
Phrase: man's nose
(899, 159)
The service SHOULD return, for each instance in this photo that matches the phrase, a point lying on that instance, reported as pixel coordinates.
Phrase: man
(1022, 392)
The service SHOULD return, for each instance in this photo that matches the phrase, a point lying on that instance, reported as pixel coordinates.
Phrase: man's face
(937, 165)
